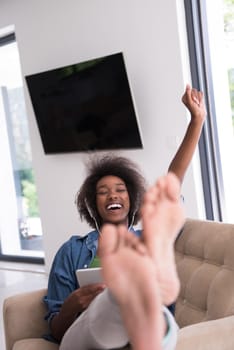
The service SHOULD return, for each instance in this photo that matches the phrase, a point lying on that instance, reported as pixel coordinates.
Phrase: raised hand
(194, 101)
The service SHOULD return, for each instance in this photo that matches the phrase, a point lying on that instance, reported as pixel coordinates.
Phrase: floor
(16, 278)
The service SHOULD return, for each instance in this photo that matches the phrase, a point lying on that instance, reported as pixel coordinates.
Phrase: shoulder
(78, 240)
(75, 247)
(73, 240)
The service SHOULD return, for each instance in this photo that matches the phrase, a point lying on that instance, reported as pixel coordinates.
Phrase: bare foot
(162, 218)
(128, 271)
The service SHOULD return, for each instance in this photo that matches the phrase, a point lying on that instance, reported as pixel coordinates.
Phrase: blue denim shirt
(77, 253)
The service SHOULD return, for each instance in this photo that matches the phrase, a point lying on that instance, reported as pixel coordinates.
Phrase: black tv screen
(86, 106)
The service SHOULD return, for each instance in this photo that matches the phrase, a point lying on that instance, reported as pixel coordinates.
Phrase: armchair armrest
(215, 335)
(23, 317)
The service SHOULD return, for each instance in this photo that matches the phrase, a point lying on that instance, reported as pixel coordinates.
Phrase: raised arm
(194, 101)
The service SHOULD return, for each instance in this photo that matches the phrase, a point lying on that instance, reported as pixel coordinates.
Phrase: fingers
(196, 96)
(192, 95)
(83, 296)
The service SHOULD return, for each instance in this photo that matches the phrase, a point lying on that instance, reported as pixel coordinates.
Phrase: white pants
(100, 326)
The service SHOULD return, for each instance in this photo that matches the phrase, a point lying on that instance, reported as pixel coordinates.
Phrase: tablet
(89, 276)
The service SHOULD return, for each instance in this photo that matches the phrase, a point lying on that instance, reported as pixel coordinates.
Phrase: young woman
(137, 273)
(112, 193)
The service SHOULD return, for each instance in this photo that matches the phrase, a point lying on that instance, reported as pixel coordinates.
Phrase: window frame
(5, 40)
(199, 57)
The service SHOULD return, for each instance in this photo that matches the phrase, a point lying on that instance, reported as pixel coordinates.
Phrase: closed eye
(121, 190)
(102, 193)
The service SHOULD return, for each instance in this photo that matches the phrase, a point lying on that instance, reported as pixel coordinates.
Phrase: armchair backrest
(205, 263)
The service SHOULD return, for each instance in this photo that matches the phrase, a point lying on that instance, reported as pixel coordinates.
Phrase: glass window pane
(20, 225)
(220, 20)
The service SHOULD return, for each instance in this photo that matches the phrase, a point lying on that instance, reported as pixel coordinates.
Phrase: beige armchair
(24, 324)
(204, 309)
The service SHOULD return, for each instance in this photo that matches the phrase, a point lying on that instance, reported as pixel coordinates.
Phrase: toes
(134, 242)
(114, 238)
(150, 201)
(173, 187)
(168, 187)
(108, 241)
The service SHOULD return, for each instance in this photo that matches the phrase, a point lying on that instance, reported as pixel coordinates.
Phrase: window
(20, 225)
(210, 28)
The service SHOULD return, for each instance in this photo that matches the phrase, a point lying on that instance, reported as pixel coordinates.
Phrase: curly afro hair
(118, 166)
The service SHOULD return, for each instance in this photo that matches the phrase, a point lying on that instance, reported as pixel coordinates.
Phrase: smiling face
(112, 200)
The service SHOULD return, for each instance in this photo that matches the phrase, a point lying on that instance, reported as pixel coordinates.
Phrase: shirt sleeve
(62, 280)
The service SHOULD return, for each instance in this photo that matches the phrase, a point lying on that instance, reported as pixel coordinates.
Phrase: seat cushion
(41, 344)
(35, 344)
(210, 335)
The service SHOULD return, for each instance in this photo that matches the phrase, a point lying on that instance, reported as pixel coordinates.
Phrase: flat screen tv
(86, 106)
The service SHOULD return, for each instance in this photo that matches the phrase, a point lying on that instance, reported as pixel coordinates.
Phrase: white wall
(58, 32)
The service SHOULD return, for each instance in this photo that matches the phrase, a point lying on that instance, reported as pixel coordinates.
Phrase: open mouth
(114, 206)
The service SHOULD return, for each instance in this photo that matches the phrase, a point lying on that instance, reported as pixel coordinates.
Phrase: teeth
(114, 206)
